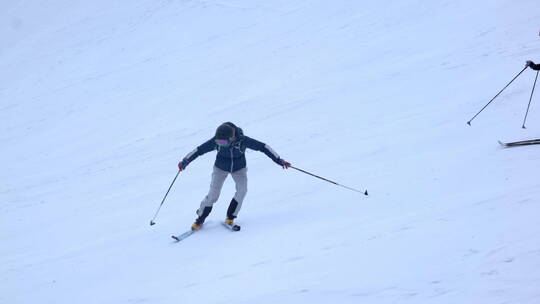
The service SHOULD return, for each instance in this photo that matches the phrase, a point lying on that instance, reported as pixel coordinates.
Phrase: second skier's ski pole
(469, 122)
(530, 99)
(152, 220)
(332, 182)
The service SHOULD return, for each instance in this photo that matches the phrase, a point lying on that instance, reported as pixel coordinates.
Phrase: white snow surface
(99, 100)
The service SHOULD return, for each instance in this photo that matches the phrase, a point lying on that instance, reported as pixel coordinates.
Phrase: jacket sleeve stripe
(271, 151)
(200, 150)
(191, 154)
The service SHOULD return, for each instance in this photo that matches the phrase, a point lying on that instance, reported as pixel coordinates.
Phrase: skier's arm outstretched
(256, 145)
(206, 147)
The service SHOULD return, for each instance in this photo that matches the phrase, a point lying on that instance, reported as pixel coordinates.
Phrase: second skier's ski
(520, 143)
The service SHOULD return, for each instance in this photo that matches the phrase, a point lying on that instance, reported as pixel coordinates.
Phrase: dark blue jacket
(232, 158)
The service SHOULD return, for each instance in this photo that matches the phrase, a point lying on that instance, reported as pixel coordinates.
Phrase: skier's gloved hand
(285, 164)
(182, 165)
(533, 65)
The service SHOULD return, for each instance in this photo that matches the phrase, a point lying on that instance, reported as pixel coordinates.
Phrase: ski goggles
(223, 142)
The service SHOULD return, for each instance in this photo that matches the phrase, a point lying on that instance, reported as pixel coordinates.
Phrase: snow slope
(99, 100)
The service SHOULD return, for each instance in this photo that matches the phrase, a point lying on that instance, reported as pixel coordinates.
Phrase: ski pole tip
(469, 122)
(152, 223)
(366, 193)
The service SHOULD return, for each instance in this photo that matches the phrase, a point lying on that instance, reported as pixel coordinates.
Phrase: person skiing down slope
(230, 143)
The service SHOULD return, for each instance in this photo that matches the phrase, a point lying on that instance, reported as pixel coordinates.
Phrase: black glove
(532, 65)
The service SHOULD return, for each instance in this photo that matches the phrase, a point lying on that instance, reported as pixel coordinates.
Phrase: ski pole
(152, 220)
(530, 99)
(469, 122)
(332, 182)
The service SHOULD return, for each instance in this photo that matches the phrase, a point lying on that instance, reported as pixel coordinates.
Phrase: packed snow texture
(99, 100)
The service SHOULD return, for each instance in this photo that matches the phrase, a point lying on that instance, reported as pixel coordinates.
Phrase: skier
(533, 66)
(230, 143)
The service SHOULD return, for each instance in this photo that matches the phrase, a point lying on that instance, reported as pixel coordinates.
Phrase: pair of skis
(188, 233)
(520, 143)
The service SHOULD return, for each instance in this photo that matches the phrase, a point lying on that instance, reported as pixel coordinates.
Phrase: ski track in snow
(99, 101)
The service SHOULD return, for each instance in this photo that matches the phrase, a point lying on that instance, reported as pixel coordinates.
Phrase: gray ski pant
(218, 178)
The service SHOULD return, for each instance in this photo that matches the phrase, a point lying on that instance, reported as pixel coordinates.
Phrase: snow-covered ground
(99, 100)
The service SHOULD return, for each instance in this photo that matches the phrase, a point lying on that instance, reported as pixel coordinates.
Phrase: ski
(182, 236)
(231, 227)
(520, 143)
(186, 234)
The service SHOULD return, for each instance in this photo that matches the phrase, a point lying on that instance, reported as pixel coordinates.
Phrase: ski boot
(229, 223)
(200, 220)
(197, 225)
